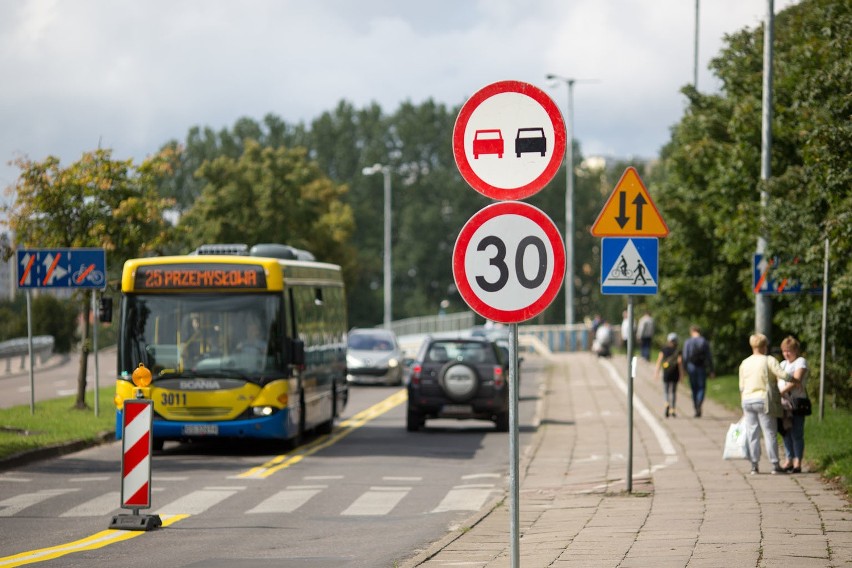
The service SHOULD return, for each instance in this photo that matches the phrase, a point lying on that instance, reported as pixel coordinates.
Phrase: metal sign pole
(822, 334)
(95, 348)
(514, 492)
(30, 342)
(630, 395)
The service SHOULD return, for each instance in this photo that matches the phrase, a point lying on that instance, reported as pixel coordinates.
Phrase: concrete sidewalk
(688, 507)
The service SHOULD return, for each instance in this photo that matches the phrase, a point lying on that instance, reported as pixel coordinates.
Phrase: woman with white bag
(761, 401)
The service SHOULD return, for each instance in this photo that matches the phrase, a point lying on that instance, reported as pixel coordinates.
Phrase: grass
(55, 422)
(828, 443)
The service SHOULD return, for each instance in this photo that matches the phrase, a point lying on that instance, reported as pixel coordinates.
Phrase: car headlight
(352, 361)
(262, 410)
(393, 363)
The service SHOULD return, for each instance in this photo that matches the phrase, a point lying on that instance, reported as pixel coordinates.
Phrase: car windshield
(370, 342)
(467, 351)
(235, 335)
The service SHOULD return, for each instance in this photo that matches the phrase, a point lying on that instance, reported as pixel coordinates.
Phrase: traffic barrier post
(136, 449)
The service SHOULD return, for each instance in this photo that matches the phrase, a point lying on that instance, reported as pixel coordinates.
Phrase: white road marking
(197, 502)
(100, 505)
(377, 501)
(464, 498)
(288, 500)
(18, 503)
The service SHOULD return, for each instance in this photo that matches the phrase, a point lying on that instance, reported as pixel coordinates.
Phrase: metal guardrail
(557, 338)
(20, 347)
(433, 324)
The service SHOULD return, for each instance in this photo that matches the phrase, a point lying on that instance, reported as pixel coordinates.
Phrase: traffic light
(105, 309)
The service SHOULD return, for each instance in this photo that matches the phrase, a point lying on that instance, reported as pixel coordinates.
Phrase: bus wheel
(157, 444)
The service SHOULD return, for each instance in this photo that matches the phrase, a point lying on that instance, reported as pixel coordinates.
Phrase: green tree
(95, 202)
(270, 195)
(708, 187)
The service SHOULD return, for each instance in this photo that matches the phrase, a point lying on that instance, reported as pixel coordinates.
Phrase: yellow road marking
(344, 429)
(111, 536)
(93, 542)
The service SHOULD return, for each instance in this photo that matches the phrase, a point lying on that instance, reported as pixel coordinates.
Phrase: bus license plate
(201, 430)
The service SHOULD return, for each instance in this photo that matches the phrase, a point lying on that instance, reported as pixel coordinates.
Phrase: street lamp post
(569, 200)
(386, 173)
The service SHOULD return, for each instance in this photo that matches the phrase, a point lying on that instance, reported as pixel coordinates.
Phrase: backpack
(698, 356)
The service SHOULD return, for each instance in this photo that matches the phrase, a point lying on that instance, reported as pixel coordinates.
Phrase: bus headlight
(262, 410)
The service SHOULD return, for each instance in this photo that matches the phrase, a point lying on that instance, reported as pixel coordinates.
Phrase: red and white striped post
(136, 455)
(136, 448)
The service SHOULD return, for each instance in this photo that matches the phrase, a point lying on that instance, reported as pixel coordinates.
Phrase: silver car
(373, 356)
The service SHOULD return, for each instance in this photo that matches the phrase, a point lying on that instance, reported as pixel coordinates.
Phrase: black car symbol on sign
(530, 140)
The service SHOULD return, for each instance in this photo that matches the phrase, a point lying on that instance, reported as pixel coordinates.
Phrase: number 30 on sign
(509, 262)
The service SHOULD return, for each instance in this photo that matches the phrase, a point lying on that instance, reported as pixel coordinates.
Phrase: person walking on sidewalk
(699, 364)
(761, 401)
(645, 334)
(671, 364)
(794, 437)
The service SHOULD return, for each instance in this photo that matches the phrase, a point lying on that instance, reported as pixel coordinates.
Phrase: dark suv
(459, 378)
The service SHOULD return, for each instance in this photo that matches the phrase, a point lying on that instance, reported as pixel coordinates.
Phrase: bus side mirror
(105, 309)
(297, 352)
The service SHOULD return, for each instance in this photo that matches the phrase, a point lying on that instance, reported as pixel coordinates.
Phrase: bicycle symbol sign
(61, 268)
(509, 262)
(629, 265)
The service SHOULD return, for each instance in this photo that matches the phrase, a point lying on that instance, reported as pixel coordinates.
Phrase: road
(369, 495)
(57, 378)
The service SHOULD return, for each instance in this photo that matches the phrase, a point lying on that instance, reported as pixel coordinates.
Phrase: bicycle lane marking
(660, 433)
(92, 542)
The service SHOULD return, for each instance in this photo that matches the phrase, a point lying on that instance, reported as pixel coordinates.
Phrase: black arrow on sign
(639, 202)
(622, 206)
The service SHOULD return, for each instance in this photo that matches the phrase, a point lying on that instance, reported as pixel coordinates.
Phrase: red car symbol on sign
(488, 142)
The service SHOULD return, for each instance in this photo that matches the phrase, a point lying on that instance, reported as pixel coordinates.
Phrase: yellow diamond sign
(630, 211)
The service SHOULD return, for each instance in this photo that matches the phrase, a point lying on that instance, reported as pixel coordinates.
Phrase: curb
(31, 456)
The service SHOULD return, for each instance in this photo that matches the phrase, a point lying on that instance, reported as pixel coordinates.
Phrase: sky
(130, 75)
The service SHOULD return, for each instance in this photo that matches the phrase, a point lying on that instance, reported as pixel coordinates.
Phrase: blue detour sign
(629, 265)
(62, 268)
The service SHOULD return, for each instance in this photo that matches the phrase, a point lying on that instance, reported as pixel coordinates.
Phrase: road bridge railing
(19, 349)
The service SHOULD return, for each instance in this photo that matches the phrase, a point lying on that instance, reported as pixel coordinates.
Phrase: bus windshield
(203, 335)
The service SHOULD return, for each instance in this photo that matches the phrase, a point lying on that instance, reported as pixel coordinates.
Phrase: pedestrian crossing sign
(629, 265)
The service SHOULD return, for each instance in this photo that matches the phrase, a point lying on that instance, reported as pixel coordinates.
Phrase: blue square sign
(62, 268)
(629, 266)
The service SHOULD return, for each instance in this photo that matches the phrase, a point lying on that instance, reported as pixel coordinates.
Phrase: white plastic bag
(736, 444)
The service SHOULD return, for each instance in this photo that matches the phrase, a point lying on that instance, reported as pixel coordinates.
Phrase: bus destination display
(183, 276)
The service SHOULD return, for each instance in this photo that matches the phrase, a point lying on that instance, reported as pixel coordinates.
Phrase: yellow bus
(241, 343)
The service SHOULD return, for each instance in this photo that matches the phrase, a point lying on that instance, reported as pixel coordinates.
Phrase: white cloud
(133, 75)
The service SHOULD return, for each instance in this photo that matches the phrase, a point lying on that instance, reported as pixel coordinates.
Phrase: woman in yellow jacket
(759, 374)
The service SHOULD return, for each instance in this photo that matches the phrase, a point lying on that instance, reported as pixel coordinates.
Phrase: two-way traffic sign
(630, 211)
(62, 268)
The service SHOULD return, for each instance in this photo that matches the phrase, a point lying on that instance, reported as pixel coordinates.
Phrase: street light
(385, 170)
(569, 200)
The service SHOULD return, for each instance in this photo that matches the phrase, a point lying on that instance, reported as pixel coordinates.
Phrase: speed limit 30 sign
(509, 262)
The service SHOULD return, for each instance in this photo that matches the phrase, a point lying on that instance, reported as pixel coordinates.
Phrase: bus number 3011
(173, 399)
(499, 261)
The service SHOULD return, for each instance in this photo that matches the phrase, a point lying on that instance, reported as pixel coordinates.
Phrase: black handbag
(801, 407)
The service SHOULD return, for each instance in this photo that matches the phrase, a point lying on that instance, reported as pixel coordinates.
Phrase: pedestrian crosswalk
(390, 496)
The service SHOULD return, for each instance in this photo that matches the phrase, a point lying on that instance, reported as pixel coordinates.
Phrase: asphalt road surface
(370, 494)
